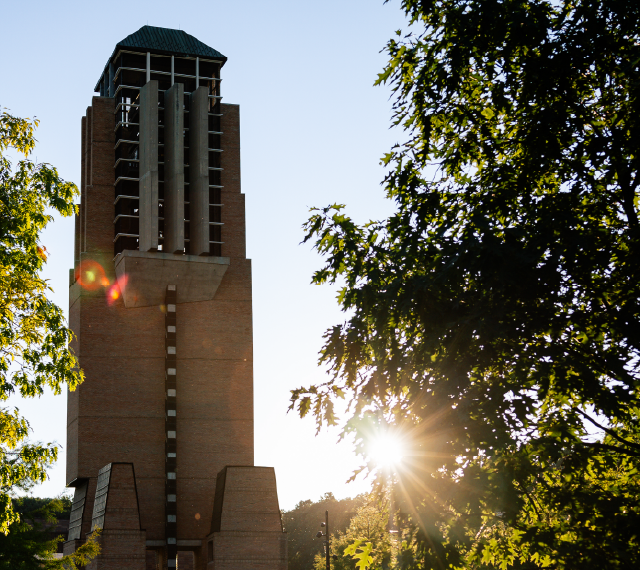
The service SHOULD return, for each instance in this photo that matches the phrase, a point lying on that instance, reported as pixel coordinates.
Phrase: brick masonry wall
(117, 415)
(121, 540)
(247, 528)
(186, 561)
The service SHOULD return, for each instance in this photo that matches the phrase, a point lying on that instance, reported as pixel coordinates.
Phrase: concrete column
(111, 90)
(99, 210)
(83, 182)
(148, 204)
(76, 244)
(199, 172)
(88, 182)
(174, 169)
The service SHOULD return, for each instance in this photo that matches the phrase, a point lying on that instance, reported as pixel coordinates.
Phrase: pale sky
(313, 129)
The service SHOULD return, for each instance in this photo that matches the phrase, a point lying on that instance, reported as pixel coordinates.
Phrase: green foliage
(28, 504)
(29, 544)
(361, 553)
(303, 522)
(366, 543)
(494, 318)
(34, 340)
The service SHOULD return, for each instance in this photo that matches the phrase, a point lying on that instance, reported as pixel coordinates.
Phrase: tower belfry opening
(157, 92)
(160, 434)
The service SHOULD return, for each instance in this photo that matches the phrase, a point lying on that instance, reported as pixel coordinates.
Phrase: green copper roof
(165, 40)
(177, 42)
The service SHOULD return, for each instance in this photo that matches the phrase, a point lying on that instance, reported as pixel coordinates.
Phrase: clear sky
(313, 129)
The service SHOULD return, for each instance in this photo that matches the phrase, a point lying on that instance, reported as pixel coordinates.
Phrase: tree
(367, 531)
(34, 341)
(28, 504)
(29, 544)
(493, 319)
(303, 522)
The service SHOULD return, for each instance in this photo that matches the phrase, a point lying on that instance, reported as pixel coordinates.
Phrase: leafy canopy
(493, 320)
(32, 542)
(365, 543)
(34, 340)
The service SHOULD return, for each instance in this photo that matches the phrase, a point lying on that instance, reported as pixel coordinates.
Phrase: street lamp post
(326, 531)
(327, 545)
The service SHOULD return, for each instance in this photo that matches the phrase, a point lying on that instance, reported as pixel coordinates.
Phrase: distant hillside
(303, 522)
(26, 505)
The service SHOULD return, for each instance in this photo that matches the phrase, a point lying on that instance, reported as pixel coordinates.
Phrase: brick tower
(160, 434)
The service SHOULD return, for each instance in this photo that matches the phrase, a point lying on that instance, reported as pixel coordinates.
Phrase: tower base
(246, 531)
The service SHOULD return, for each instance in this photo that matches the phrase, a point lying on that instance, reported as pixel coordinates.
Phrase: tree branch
(624, 178)
(609, 431)
(620, 450)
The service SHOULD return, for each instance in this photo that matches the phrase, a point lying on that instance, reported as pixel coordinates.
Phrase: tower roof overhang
(164, 41)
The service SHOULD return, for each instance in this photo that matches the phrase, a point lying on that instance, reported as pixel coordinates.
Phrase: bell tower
(160, 434)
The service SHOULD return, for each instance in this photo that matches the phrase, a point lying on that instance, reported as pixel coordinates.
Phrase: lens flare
(113, 294)
(386, 450)
(115, 291)
(92, 275)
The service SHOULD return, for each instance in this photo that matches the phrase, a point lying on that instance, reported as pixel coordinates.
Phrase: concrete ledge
(143, 276)
(189, 542)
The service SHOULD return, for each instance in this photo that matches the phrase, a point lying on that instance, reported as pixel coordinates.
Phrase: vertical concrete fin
(199, 172)
(234, 209)
(216, 519)
(148, 202)
(76, 244)
(83, 182)
(77, 509)
(88, 137)
(99, 207)
(174, 169)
